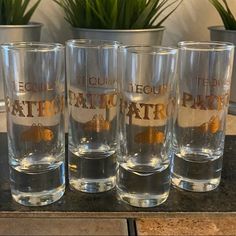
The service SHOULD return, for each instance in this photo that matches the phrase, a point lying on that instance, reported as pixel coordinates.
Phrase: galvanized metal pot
(218, 33)
(127, 37)
(13, 33)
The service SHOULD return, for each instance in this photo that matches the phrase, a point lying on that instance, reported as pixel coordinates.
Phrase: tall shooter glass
(205, 70)
(93, 101)
(148, 75)
(34, 90)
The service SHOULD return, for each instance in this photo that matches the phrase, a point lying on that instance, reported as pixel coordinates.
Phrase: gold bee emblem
(37, 133)
(150, 136)
(204, 127)
(97, 124)
(213, 125)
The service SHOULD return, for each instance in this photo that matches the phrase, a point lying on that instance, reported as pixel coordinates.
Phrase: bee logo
(37, 133)
(97, 124)
(150, 136)
(213, 125)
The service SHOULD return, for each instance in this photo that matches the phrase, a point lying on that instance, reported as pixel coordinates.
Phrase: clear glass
(205, 70)
(34, 95)
(148, 80)
(2, 97)
(92, 104)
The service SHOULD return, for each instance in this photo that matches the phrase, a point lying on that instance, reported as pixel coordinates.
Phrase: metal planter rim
(30, 25)
(120, 30)
(220, 28)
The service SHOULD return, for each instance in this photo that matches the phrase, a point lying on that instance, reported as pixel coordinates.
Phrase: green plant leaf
(145, 14)
(30, 12)
(117, 14)
(19, 11)
(225, 13)
(98, 11)
(14, 12)
(163, 19)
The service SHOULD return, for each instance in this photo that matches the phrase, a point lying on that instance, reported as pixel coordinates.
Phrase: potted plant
(15, 26)
(226, 33)
(126, 21)
(14, 21)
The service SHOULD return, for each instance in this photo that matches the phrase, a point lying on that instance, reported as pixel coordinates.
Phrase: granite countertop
(76, 204)
(181, 210)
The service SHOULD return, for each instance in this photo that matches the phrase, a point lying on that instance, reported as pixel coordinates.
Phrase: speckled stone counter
(184, 213)
(188, 224)
(76, 204)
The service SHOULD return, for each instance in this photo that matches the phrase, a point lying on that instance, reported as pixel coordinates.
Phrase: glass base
(142, 200)
(92, 185)
(232, 108)
(2, 106)
(38, 198)
(195, 185)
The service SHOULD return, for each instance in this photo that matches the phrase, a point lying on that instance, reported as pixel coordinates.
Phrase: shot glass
(92, 104)
(34, 94)
(205, 70)
(148, 80)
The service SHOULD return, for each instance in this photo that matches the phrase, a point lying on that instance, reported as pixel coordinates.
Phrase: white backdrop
(189, 22)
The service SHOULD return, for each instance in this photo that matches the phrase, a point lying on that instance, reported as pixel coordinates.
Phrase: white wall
(189, 22)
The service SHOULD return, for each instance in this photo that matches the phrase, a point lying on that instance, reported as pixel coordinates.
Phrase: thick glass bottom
(143, 186)
(93, 185)
(38, 198)
(195, 185)
(232, 108)
(196, 172)
(92, 172)
(142, 200)
(39, 185)
(2, 106)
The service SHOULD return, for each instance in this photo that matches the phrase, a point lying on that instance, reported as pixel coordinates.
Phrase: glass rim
(92, 43)
(205, 45)
(155, 49)
(32, 46)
